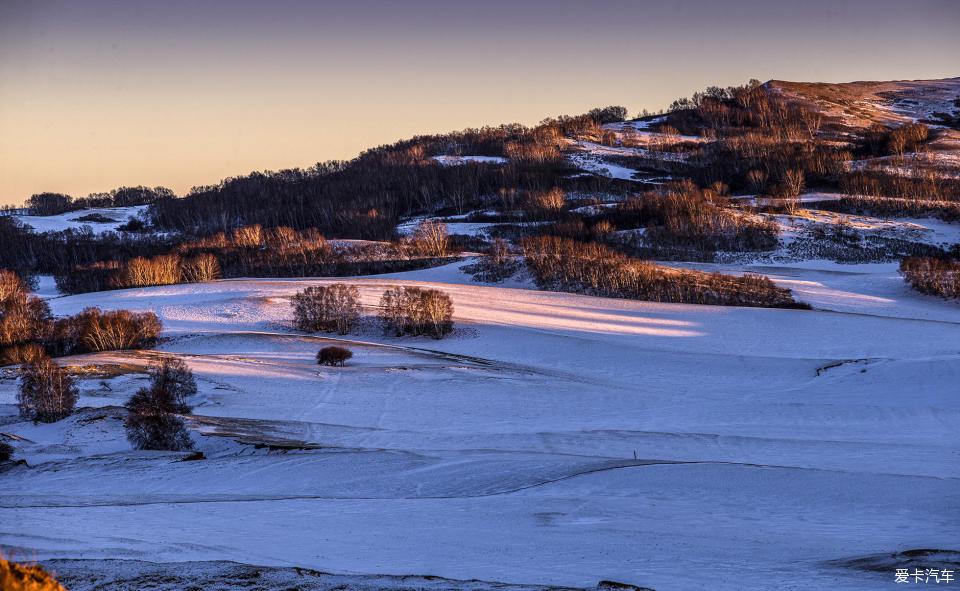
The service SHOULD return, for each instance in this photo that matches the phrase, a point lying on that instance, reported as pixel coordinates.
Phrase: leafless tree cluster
(153, 420)
(907, 138)
(498, 264)
(27, 329)
(259, 252)
(568, 265)
(175, 377)
(919, 187)
(934, 276)
(47, 392)
(416, 311)
(546, 204)
(681, 219)
(752, 105)
(24, 319)
(332, 308)
(111, 330)
(430, 239)
(880, 140)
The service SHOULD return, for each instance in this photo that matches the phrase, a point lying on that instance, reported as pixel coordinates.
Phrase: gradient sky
(96, 94)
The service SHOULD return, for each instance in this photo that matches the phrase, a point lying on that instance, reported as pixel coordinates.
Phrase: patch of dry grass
(22, 577)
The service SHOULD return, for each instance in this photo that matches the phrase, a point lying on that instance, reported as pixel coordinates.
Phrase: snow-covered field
(73, 220)
(458, 160)
(554, 439)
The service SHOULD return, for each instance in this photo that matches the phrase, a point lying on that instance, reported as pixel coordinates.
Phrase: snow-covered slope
(553, 439)
(117, 216)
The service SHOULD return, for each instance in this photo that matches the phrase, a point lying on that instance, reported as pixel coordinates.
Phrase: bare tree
(11, 285)
(203, 267)
(416, 311)
(430, 238)
(47, 392)
(334, 308)
(118, 329)
(176, 378)
(758, 180)
(153, 420)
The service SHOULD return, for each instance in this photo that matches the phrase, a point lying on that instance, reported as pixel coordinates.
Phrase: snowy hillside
(101, 219)
(554, 439)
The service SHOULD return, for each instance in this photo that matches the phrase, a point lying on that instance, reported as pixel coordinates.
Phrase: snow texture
(554, 439)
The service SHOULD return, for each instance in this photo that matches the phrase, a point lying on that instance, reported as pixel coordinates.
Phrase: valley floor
(554, 439)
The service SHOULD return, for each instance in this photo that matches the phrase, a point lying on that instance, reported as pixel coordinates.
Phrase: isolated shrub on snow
(334, 308)
(23, 577)
(333, 356)
(47, 392)
(416, 311)
(175, 377)
(152, 413)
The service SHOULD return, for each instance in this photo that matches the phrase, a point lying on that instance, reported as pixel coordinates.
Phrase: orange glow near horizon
(102, 94)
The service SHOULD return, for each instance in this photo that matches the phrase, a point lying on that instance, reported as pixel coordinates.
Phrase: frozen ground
(554, 439)
(56, 223)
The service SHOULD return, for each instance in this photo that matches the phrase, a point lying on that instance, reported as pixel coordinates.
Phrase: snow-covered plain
(554, 439)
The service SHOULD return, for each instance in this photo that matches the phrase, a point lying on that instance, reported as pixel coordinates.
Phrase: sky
(101, 93)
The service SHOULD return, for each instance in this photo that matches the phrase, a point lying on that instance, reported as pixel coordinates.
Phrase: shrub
(23, 319)
(499, 264)
(117, 330)
(21, 577)
(47, 392)
(333, 356)
(133, 225)
(175, 377)
(932, 275)
(10, 285)
(416, 311)
(335, 308)
(6, 452)
(579, 267)
(203, 267)
(545, 204)
(22, 353)
(681, 220)
(159, 270)
(151, 422)
(430, 239)
(152, 413)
